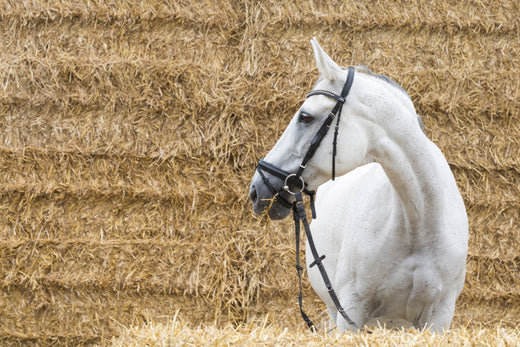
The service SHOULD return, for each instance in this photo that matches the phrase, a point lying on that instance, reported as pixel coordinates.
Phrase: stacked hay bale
(129, 134)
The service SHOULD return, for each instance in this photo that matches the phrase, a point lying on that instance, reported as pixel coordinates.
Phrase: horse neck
(419, 174)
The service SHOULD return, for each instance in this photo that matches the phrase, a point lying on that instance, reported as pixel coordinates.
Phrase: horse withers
(393, 228)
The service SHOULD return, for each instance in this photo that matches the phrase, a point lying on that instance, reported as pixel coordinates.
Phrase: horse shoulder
(351, 213)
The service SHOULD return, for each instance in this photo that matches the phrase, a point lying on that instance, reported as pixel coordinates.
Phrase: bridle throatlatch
(295, 185)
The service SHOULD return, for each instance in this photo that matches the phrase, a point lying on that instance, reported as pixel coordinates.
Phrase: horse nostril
(253, 195)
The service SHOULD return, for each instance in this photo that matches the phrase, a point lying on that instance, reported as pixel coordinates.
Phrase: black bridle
(295, 185)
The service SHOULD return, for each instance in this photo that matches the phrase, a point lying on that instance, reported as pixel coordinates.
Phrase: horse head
(289, 151)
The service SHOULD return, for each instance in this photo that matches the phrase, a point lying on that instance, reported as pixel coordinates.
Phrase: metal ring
(288, 189)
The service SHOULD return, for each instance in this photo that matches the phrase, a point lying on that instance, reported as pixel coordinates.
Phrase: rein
(295, 185)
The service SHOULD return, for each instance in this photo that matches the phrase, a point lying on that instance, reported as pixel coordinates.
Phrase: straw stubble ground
(129, 132)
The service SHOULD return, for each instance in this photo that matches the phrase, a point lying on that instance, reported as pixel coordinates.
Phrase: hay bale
(129, 134)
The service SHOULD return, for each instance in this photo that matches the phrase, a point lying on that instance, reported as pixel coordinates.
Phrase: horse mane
(366, 70)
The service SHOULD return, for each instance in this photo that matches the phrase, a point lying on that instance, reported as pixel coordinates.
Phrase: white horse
(393, 228)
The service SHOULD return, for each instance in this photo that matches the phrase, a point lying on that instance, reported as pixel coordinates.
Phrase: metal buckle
(299, 189)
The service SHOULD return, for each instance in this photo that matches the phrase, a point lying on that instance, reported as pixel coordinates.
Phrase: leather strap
(300, 216)
(336, 112)
(299, 270)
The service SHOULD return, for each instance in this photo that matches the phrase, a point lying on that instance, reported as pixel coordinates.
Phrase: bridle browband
(295, 185)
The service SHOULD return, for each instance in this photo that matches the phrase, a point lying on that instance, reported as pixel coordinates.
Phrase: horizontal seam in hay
(107, 192)
(51, 339)
(158, 65)
(29, 151)
(109, 17)
(107, 243)
(81, 191)
(165, 244)
(101, 154)
(491, 297)
(494, 258)
(306, 21)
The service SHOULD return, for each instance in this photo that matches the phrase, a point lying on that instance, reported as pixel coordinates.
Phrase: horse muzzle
(277, 204)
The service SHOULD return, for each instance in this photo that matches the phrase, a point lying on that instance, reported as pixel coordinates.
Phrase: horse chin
(278, 211)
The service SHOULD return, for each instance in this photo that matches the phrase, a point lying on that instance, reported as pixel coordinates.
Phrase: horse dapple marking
(393, 227)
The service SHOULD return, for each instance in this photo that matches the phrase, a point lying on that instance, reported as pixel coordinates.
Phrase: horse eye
(306, 118)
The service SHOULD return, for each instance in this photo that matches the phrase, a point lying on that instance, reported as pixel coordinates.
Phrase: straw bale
(179, 332)
(483, 280)
(494, 230)
(75, 316)
(129, 133)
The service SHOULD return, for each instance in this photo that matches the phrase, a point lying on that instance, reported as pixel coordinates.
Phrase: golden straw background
(129, 132)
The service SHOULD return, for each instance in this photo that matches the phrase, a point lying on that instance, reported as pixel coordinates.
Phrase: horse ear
(328, 68)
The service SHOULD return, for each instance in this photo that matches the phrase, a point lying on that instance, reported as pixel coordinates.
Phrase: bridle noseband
(295, 185)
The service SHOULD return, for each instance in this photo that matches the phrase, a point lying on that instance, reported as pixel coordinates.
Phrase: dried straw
(129, 132)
